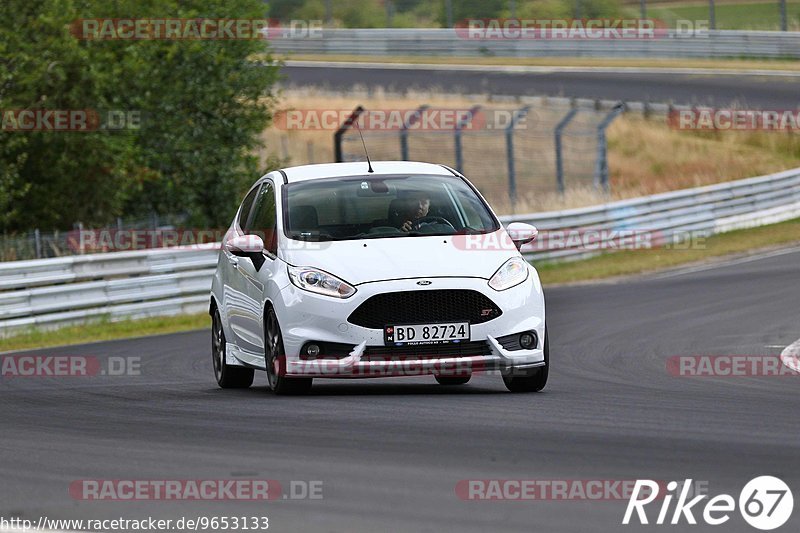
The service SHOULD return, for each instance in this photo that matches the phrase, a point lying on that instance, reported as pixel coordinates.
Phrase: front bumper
(501, 360)
(305, 317)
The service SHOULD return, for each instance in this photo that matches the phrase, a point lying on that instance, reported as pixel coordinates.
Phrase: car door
(262, 222)
(235, 297)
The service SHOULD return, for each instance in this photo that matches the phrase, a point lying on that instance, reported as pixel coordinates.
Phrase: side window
(247, 206)
(264, 219)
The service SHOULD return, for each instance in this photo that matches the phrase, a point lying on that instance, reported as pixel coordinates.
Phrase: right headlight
(318, 281)
(512, 273)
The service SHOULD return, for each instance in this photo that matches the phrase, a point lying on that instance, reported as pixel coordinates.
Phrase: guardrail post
(457, 136)
(404, 131)
(559, 156)
(512, 173)
(601, 165)
(337, 137)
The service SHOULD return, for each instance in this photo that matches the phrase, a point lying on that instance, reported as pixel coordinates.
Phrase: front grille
(424, 307)
(426, 351)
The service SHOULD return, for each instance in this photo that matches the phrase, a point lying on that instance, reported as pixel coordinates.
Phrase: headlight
(320, 282)
(512, 273)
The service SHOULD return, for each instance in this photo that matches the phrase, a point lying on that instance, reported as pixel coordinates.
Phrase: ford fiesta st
(347, 270)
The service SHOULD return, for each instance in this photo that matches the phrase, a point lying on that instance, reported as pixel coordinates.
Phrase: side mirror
(250, 246)
(521, 233)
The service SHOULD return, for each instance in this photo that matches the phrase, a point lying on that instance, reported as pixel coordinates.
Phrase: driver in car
(416, 209)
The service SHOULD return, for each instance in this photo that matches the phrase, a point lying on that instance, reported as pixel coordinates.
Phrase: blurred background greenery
(203, 107)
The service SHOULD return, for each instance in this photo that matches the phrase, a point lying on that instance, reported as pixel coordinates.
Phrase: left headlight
(320, 282)
(512, 273)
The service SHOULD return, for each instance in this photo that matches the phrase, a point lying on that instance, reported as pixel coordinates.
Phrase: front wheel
(227, 376)
(536, 378)
(276, 361)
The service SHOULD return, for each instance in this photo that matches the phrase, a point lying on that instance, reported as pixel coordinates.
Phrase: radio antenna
(369, 163)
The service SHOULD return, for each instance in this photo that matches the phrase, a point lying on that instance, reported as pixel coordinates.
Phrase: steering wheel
(430, 220)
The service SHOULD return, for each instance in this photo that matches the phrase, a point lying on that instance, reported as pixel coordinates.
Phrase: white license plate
(426, 333)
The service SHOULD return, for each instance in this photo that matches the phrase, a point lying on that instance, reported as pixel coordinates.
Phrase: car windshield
(370, 207)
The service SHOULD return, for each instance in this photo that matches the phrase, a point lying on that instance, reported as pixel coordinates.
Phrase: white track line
(523, 69)
(681, 271)
(790, 356)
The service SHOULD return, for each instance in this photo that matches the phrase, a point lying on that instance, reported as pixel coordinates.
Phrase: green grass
(640, 261)
(104, 330)
(730, 16)
(603, 266)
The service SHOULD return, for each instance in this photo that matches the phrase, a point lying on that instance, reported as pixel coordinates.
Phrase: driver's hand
(406, 226)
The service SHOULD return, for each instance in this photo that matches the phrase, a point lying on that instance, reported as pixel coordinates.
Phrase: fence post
(310, 152)
(37, 240)
(512, 171)
(559, 156)
(784, 22)
(712, 15)
(404, 131)
(457, 136)
(337, 137)
(601, 165)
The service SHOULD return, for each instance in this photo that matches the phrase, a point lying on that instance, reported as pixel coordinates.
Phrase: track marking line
(724, 264)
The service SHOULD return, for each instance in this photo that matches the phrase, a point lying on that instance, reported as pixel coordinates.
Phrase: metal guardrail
(68, 290)
(53, 292)
(454, 43)
(665, 218)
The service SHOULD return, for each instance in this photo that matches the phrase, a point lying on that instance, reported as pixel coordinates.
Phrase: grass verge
(724, 64)
(104, 330)
(640, 261)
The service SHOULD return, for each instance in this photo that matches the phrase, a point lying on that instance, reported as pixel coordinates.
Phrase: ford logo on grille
(424, 282)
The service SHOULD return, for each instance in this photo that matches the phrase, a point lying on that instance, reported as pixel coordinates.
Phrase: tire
(536, 379)
(275, 359)
(227, 376)
(453, 380)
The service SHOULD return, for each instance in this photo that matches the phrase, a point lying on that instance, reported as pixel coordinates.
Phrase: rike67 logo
(765, 503)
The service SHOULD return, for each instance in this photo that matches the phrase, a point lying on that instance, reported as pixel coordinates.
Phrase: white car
(347, 270)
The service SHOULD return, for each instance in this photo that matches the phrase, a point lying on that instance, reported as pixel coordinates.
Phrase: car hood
(362, 261)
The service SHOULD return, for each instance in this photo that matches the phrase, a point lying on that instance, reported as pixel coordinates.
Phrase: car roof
(336, 170)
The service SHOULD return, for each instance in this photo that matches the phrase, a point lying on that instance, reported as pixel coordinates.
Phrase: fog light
(528, 340)
(312, 350)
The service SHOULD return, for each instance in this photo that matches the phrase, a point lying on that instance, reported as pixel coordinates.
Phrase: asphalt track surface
(762, 92)
(390, 452)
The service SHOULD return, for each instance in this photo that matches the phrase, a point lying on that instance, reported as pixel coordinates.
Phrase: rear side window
(264, 218)
(247, 206)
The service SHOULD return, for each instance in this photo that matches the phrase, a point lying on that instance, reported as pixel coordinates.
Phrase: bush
(203, 107)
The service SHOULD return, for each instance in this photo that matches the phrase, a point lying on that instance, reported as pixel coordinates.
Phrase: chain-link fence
(508, 152)
(38, 244)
